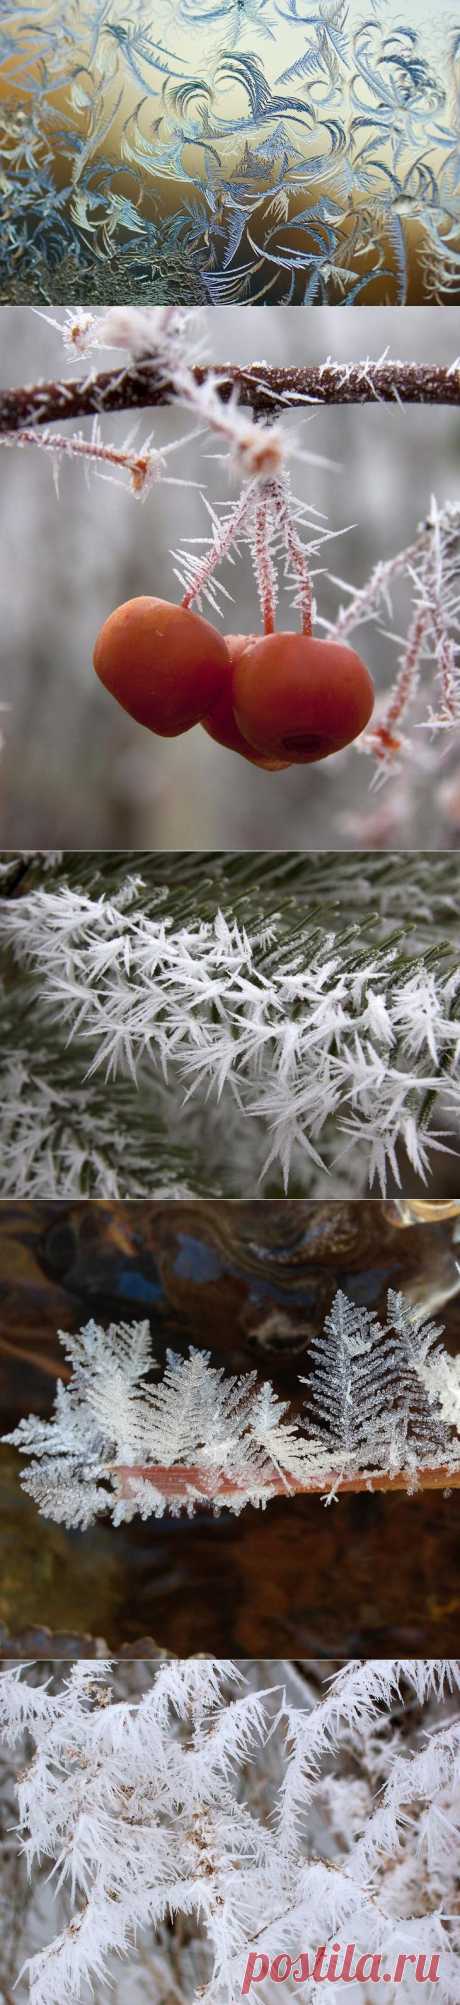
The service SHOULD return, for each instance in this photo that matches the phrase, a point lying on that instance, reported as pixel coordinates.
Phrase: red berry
(301, 697)
(221, 723)
(164, 664)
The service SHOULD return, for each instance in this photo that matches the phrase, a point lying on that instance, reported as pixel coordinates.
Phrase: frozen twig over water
(383, 1411)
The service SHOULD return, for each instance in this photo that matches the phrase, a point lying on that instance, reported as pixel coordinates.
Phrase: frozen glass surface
(227, 150)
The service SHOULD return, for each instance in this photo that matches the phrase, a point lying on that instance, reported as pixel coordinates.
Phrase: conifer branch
(262, 388)
(255, 1809)
(364, 1078)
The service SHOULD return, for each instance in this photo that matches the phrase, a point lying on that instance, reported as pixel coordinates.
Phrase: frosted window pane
(263, 150)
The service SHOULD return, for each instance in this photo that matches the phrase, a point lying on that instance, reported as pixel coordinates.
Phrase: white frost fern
(374, 1387)
(123, 1442)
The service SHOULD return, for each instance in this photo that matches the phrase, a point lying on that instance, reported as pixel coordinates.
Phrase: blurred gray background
(75, 770)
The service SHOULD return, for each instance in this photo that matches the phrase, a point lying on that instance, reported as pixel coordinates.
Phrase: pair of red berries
(284, 699)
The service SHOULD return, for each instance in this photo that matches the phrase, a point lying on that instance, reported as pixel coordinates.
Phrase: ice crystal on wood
(374, 1387)
(121, 1440)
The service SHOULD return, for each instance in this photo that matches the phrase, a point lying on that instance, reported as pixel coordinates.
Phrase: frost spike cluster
(335, 1032)
(257, 1819)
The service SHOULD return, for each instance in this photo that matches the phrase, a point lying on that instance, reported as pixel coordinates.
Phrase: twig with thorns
(260, 387)
(229, 404)
(145, 467)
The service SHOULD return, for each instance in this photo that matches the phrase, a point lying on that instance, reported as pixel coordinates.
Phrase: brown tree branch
(262, 388)
(174, 1482)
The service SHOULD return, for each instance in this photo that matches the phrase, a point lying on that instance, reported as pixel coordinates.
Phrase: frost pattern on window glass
(244, 150)
(383, 1402)
(211, 1817)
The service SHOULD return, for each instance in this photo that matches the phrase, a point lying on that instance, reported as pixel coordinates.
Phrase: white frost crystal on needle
(236, 1815)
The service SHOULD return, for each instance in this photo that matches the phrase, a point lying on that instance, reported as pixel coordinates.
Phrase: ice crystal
(267, 1821)
(375, 1388)
(339, 1036)
(230, 152)
(284, 534)
(123, 1442)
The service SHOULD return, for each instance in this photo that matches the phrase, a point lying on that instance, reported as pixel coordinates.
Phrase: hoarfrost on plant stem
(261, 1817)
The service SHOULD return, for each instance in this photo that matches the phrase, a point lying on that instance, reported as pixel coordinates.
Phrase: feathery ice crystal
(246, 150)
(262, 1818)
(340, 1043)
(383, 1402)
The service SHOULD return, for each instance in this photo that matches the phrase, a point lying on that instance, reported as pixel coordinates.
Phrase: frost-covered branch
(145, 465)
(383, 1411)
(351, 1040)
(241, 410)
(261, 388)
(431, 564)
(266, 1819)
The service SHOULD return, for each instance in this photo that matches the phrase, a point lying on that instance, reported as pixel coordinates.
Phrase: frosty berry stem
(223, 536)
(264, 567)
(262, 512)
(384, 737)
(298, 560)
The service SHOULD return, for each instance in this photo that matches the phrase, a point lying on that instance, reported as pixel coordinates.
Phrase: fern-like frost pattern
(243, 150)
(381, 1397)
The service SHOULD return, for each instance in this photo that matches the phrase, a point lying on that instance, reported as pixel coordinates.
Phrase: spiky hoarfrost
(59, 1137)
(432, 565)
(272, 520)
(379, 1401)
(332, 1041)
(266, 515)
(263, 1821)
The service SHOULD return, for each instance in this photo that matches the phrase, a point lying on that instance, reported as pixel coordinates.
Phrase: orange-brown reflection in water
(413, 1210)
